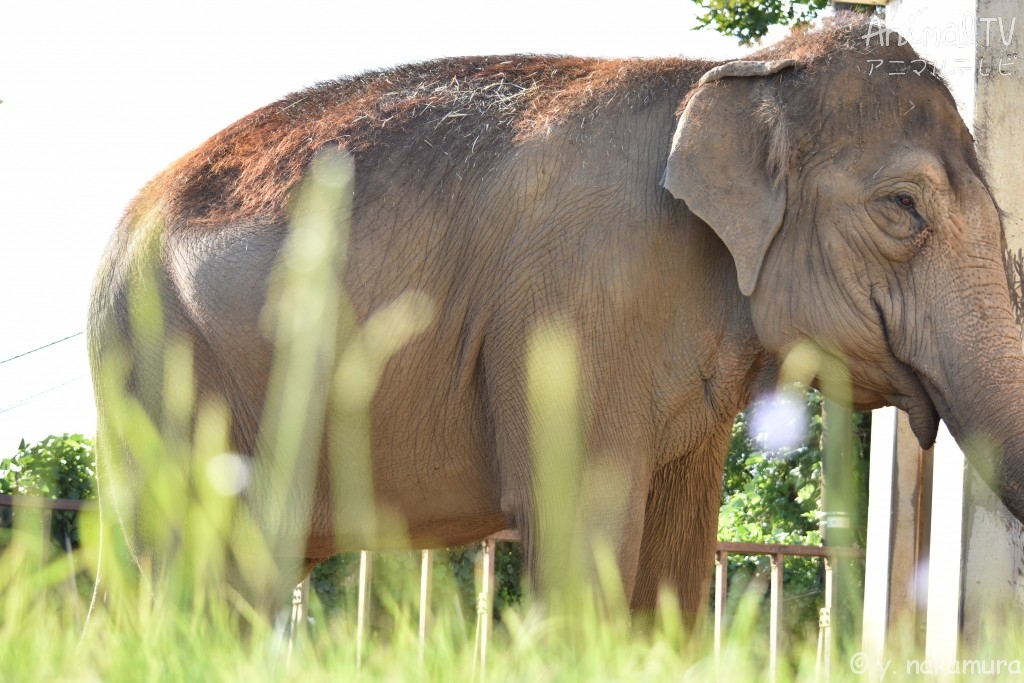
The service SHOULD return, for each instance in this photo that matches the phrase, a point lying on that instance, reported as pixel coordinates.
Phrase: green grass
(138, 636)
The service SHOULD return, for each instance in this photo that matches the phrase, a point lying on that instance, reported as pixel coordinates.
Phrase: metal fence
(776, 556)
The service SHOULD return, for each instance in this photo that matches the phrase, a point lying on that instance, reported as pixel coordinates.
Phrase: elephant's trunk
(978, 389)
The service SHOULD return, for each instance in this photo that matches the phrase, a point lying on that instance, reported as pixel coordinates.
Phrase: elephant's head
(858, 215)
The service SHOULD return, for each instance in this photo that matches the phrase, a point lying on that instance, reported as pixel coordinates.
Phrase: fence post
(824, 663)
(721, 593)
(426, 580)
(776, 560)
(363, 607)
(72, 587)
(300, 603)
(483, 607)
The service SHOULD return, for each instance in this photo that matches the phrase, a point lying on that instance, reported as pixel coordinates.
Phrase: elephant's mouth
(912, 393)
(916, 401)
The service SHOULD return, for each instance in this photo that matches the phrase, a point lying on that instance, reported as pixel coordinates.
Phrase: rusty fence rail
(52, 504)
(485, 599)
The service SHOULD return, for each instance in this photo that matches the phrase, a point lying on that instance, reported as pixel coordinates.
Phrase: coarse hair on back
(452, 111)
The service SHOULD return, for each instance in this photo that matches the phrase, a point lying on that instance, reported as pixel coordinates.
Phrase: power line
(22, 401)
(40, 348)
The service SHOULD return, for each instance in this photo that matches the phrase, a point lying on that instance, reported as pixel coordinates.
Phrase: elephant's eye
(906, 201)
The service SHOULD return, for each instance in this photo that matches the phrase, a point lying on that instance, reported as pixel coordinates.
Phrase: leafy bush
(57, 467)
(508, 570)
(335, 581)
(64, 466)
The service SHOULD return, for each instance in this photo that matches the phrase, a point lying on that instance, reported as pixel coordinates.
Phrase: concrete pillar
(977, 45)
(994, 540)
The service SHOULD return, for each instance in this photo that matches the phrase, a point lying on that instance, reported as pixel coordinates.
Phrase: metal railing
(52, 504)
(776, 556)
(775, 552)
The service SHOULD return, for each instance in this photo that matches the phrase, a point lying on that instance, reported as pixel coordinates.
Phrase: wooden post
(300, 603)
(72, 587)
(911, 532)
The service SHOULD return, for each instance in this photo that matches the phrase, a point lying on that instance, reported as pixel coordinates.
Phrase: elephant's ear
(728, 161)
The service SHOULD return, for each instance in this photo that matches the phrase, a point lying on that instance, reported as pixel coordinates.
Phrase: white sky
(98, 96)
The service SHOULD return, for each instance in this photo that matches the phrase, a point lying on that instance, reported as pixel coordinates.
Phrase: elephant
(689, 221)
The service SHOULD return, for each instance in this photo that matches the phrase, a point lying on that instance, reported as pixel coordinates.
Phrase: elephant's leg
(601, 497)
(681, 530)
(605, 514)
(615, 485)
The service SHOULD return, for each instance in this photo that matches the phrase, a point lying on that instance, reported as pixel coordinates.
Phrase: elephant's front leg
(600, 519)
(681, 530)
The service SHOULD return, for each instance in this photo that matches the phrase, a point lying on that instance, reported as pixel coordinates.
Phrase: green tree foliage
(776, 497)
(57, 467)
(508, 568)
(749, 20)
(772, 497)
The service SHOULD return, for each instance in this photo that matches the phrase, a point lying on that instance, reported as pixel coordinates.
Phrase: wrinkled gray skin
(790, 200)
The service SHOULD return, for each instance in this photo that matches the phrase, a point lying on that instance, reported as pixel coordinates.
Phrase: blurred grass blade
(553, 396)
(301, 316)
(360, 369)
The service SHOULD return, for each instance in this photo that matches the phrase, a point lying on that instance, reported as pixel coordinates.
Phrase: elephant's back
(448, 113)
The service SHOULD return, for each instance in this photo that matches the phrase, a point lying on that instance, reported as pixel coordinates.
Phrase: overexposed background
(99, 96)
